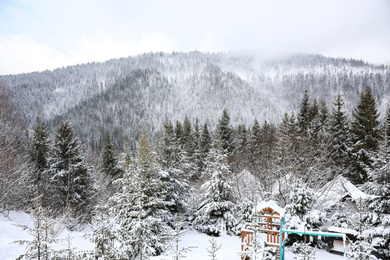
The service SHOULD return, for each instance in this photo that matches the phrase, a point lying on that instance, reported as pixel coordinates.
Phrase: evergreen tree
(188, 146)
(255, 148)
(204, 147)
(179, 132)
(365, 135)
(141, 209)
(300, 199)
(70, 177)
(110, 159)
(39, 149)
(226, 132)
(170, 158)
(215, 213)
(240, 159)
(214, 248)
(339, 132)
(39, 154)
(104, 232)
(197, 157)
(40, 247)
(304, 114)
(378, 215)
(205, 142)
(386, 143)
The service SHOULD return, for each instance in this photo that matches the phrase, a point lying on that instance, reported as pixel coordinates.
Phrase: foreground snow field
(230, 246)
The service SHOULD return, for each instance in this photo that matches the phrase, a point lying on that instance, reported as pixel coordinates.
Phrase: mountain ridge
(123, 95)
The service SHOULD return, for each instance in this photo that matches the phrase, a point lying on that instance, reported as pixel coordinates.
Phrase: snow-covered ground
(230, 246)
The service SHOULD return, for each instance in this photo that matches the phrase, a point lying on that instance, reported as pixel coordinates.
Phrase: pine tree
(70, 177)
(365, 135)
(215, 213)
(141, 209)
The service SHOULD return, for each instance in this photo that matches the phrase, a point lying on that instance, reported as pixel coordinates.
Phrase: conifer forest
(141, 148)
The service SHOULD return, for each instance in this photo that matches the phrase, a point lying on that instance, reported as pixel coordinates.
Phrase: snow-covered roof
(270, 204)
(343, 230)
(332, 192)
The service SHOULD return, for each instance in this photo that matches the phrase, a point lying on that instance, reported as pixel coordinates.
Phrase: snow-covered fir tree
(140, 207)
(304, 251)
(188, 146)
(40, 247)
(300, 199)
(304, 114)
(377, 216)
(216, 211)
(70, 185)
(204, 147)
(103, 234)
(179, 252)
(225, 131)
(213, 249)
(339, 132)
(365, 136)
(39, 151)
(110, 159)
(299, 213)
(170, 158)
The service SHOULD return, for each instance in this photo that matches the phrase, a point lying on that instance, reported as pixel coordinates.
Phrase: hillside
(123, 95)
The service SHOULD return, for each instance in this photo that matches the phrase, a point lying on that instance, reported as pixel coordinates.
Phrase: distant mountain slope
(123, 95)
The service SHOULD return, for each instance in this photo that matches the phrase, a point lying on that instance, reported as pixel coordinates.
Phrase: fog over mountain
(123, 95)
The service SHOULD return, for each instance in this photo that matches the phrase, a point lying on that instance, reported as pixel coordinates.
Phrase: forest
(136, 185)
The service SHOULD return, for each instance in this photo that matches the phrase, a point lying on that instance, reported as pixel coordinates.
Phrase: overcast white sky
(45, 34)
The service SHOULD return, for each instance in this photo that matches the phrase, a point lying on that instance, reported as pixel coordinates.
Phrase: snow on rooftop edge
(354, 191)
(342, 230)
(270, 204)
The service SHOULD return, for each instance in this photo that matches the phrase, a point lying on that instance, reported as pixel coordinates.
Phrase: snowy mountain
(121, 96)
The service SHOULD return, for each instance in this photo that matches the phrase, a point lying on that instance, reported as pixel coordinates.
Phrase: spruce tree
(304, 114)
(339, 132)
(226, 132)
(39, 153)
(365, 135)
(170, 158)
(103, 234)
(110, 159)
(70, 177)
(378, 215)
(40, 246)
(205, 142)
(140, 207)
(188, 146)
(216, 212)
